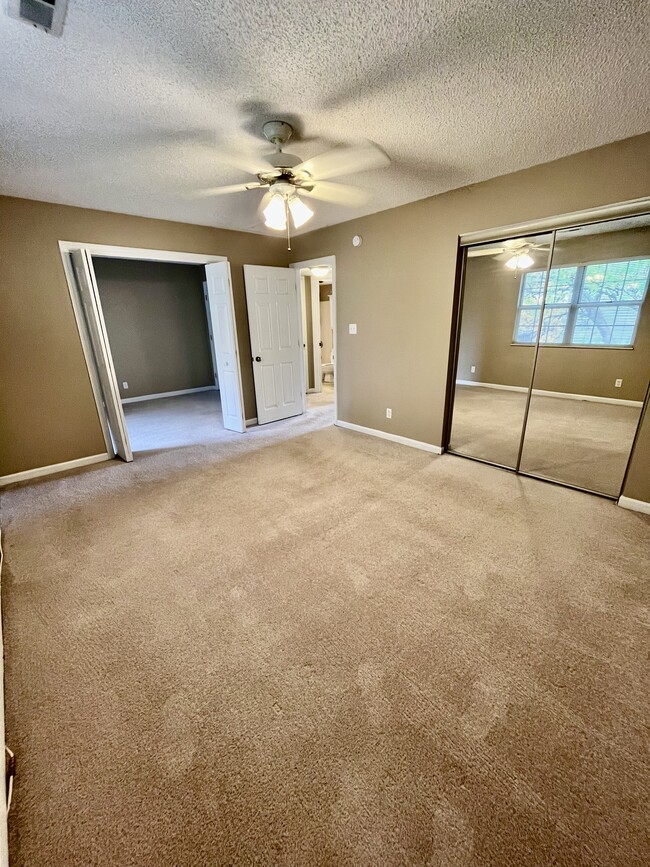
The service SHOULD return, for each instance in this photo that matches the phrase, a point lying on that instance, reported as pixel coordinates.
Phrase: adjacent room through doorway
(317, 298)
(159, 338)
(163, 351)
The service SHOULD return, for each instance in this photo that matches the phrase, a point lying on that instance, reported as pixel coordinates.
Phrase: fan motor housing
(277, 131)
(280, 160)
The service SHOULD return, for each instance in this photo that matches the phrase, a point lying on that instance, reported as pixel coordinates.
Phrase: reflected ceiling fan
(287, 178)
(515, 252)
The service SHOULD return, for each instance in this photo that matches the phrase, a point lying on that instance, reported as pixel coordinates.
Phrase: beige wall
(157, 325)
(398, 286)
(489, 312)
(637, 484)
(47, 410)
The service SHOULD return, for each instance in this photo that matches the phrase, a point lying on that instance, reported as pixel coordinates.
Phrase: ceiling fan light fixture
(275, 214)
(520, 261)
(300, 212)
(320, 271)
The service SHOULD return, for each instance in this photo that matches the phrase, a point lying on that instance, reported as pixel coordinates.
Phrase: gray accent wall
(156, 322)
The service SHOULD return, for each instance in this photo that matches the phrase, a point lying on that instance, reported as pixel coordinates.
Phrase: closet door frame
(549, 225)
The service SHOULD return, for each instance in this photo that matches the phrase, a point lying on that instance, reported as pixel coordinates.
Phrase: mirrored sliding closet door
(553, 353)
(493, 373)
(593, 360)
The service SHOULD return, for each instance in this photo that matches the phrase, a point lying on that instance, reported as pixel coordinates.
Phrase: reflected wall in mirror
(593, 362)
(493, 374)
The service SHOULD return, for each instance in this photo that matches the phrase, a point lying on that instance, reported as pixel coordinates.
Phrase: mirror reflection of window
(597, 304)
(553, 352)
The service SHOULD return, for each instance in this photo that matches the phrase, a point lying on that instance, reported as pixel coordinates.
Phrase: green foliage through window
(586, 305)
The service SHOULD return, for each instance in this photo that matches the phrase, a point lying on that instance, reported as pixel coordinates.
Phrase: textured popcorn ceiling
(126, 111)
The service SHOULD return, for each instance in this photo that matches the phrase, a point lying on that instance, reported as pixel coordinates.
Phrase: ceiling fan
(286, 178)
(515, 251)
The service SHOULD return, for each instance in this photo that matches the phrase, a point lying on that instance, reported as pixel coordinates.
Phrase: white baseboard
(168, 394)
(25, 475)
(563, 394)
(395, 438)
(634, 505)
(251, 421)
(491, 385)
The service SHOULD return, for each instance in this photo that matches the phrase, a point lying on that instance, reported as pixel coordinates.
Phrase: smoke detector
(46, 15)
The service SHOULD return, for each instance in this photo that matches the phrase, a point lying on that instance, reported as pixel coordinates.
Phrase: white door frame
(310, 283)
(312, 263)
(113, 252)
(302, 285)
(317, 338)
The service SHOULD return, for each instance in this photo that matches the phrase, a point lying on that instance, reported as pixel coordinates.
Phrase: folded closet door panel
(593, 361)
(89, 294)
(503, 291)
(221, 308)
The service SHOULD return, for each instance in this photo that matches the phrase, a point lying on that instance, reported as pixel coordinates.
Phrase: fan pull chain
(286, 210)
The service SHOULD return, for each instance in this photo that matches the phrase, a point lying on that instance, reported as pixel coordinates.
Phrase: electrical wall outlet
(389, 412)
(352, 328)
(125, 385)
(472, 369)
(618, 383)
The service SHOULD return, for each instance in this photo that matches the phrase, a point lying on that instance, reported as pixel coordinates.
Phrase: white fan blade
(344, 161)
(224, 191)
(340, 194)
(249, 163)
(489, 251)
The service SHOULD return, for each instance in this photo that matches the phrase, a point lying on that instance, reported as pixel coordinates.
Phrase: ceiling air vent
(46, 15)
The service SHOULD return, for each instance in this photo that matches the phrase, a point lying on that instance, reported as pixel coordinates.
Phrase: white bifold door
(220, 307)
(222, 320)
(276, 341)
(88, 293)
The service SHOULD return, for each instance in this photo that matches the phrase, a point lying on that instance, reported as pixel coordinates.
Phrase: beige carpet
(187, 419)
(577, 442)
(304, 646)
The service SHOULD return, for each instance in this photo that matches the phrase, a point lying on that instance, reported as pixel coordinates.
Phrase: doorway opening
(157, 322)
(317, 291)
(552, 353)
(158, 334)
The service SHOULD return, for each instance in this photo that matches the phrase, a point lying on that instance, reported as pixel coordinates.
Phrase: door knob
(257, 358)
(321, 344)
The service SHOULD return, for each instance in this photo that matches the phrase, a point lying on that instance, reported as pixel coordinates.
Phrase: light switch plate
(352, 327)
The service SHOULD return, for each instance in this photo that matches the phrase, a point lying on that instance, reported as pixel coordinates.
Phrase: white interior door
(276, 345)
(222, 319)
(92, 307)
(211, 335)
